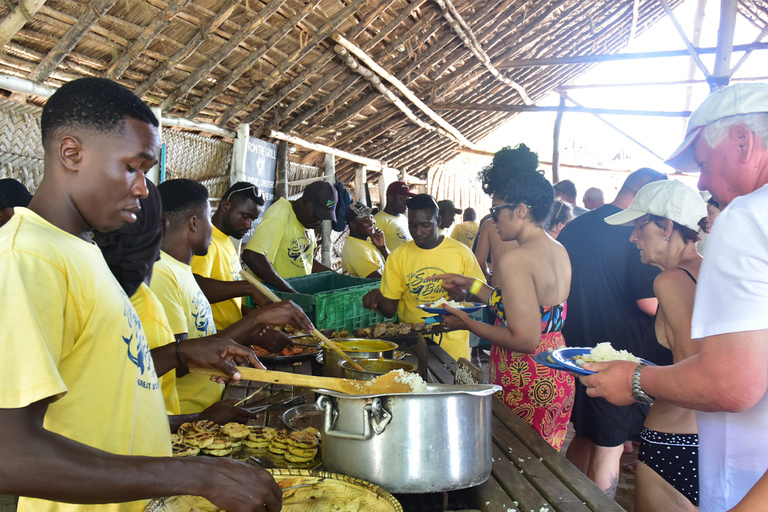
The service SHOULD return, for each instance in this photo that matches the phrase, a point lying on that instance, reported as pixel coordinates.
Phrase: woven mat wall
(198, 158)
(21, 148)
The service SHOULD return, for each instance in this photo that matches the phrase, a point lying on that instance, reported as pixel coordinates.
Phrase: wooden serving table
(528, 474)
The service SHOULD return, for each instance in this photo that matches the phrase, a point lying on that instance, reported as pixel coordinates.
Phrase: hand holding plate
(612, 380)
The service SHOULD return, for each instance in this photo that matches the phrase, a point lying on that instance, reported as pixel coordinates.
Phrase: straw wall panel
(21, 148)
(198, 158)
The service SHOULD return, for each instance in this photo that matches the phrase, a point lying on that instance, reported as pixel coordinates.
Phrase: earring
(665, 239)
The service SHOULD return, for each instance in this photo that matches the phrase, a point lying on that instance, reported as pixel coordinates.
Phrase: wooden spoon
(385, 384)
(317, 334)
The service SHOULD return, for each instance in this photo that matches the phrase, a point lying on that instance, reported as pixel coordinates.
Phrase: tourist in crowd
(713, 210)
(12, 194)
(667, 217)
(283, 244)
(447, 212)
(529, 302)
(360, 256)
(392, 220)
(593, 198)
(404, 284)
(612, 300)
(188, 233)
(727, 380)
(566, 190)
(560, 215)
(466, 232)
(218, 272)
(93, 400)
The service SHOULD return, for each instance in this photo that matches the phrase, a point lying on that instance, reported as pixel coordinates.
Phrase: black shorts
(606, 424)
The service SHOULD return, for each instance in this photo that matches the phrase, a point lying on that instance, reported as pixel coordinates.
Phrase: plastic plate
(564, 356)
(440, 311)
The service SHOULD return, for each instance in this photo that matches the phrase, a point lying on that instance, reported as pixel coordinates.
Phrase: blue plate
(564, 356)
(544, 358)
(440, 311)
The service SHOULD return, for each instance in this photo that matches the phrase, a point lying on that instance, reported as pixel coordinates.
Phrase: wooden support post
(722, 71)
(688, 45)
(330, 177)
(360, 181)
(556, 144)
(154, 172)
(14, 21)
(281, 187)
(239, 154)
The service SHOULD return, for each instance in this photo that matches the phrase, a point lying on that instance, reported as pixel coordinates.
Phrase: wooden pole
(577, 109)
(722, 71)
(360, 181)
(330, 177)
(556, 144)
(400, 86)
(686, 83)
(14, 21)
(239, 154)
(688, 45)
(748, 53)
(281, 187)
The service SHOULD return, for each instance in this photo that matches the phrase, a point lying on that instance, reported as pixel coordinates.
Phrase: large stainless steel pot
(435, 441)
(355, 348)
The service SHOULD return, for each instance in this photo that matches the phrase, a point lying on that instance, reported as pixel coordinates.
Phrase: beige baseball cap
(741, 98)
(670, 199)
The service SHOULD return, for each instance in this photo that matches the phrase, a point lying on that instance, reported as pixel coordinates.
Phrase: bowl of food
(374, 368)
(356, 348)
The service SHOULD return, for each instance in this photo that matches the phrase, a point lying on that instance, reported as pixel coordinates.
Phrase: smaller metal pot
(356, 348)
(374, 368)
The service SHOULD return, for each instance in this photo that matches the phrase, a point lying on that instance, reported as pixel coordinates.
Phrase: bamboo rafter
(463, 30)
(13, 22)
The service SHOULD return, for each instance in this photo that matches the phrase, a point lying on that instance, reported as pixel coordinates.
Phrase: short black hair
(565, 187)
(182, 198)
(640, 177)
(93, 104)
(513, 178)
(243, 190)
(505, 162)
(423, 202)
(470, 215)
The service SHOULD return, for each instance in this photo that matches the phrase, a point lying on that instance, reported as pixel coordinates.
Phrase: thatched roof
(272, 64)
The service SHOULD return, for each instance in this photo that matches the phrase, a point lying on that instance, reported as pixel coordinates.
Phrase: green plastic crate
(334, 301)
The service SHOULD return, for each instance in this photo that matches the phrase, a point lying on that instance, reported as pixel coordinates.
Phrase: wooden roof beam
(140, 43)
(93, 12)
(461, 28)
(14, 21)
(222, 53)
(205, 31)
(688, 45)
(494, 107)
(252, 58)
(400, 86)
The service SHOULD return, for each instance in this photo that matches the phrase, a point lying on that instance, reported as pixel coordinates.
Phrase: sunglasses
(257, 194)
(496, 209)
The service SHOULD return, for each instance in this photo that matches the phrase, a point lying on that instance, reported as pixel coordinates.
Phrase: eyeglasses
(496, 209)
(257, 194)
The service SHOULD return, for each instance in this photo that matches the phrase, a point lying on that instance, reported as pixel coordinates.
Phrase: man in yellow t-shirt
(283, 244)
(392, 220)
(359, 257)
(446, 215)
(92, 400)
(466, 232)
(218, 272)
(404, 285)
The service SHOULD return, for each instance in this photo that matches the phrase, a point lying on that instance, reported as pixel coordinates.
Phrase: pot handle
(370, 410)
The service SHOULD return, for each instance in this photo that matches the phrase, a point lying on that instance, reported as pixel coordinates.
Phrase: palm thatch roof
(275, 65)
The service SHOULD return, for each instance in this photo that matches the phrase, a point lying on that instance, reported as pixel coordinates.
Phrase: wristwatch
(637, 390)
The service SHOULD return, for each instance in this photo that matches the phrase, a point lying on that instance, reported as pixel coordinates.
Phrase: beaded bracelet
(477, 285)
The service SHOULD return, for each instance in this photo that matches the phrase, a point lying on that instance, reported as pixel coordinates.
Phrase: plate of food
(282, 448)
(436, 307)
(292, 353)
(545, 358)
(573, 358)
(303, 416)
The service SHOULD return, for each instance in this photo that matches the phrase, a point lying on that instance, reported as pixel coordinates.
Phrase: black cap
(13, 193)
(356, 211)
(446, 205)
(324, 198)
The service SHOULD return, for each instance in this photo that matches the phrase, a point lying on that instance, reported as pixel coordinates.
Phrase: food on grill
(605, 352)
(287, 351)
(185, 428)
(236, 430)
(206, 426)
(199, 439)
(302, 446)
(218, 453)
(184, 450)
(279, 442)
(259, 438)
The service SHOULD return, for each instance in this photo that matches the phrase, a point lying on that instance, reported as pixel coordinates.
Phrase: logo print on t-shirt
(137, 347)
(201, 312)
(425, 291)
(299, 252)
(403, 234)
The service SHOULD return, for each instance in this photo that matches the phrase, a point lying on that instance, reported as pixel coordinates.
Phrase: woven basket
(339, 493)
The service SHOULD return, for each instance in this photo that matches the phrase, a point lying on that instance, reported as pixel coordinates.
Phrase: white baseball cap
(741, 98)
(670, 199)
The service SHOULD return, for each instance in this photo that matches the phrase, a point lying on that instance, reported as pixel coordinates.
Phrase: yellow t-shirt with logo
(286, 243)
(70, 333)
(395, 229)
(360, 257)
(222, 263)
(466, 232)
(188, 311)
(158, 333)
(404, 280)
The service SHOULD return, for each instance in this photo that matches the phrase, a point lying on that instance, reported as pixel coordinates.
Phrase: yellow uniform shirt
(287, 244)
(360, 257)
(70, 332)
(395, 229)
(404, 280)
(158, 333)
(222, 263)
(466, 232)
(188, 312)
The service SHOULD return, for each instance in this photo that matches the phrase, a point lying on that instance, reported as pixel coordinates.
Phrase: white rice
(605, 352)
(451, 303)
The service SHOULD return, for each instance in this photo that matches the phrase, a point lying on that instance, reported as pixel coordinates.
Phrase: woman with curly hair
(530, 302)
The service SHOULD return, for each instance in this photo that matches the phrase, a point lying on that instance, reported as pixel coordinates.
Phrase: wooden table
(528, 474)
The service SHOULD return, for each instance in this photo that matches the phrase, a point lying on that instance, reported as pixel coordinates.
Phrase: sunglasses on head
(257, 194)
(496, 209)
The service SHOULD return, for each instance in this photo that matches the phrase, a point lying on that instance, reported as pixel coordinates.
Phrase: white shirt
(732, 296)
